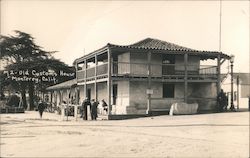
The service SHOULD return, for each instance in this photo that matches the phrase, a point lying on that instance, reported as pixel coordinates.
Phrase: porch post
(149, 91)
(67, 105)
(109, 84)
(185, 77)
(85, 78)
(51, 96)
(218, 75)
(95, 86)
(76, 103)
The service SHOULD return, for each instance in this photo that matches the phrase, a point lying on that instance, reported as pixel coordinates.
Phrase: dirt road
(206, 135)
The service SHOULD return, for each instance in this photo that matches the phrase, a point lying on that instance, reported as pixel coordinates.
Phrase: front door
(114, 94)
(89, 94)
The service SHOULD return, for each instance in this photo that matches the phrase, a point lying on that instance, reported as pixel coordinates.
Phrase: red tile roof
(150, 43)
(156, 44)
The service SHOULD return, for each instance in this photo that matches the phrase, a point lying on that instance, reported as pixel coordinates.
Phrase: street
(203, 135)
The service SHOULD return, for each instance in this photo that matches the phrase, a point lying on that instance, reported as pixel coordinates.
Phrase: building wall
(193, 62)
(124, 68)
(243, 100)
(122, 97)
(142, 69)
(102, 91)
(204, 94)
(81, 93)
(138, 69)
(156, 69)
(156, 61)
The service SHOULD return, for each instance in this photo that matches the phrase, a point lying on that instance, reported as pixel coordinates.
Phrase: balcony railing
(141, 69)
(125, 68)
(90, 72)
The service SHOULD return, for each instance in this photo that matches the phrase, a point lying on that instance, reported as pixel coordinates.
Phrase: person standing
(104, 106)
(84, 112)
(94, 105)
(221, 99)
(41, 107)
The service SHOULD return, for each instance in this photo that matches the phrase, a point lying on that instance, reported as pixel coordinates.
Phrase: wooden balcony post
(109, 84)
(95, 85)
(218, 74)
(85, 77)
(76, 69)
(149, 91)
(185, 77)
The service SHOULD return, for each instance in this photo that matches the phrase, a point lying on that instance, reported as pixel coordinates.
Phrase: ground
(203, 135)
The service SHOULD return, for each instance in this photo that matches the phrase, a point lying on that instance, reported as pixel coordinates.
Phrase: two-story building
(149, 76)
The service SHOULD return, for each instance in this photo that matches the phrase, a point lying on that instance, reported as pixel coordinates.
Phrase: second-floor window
(168, 62)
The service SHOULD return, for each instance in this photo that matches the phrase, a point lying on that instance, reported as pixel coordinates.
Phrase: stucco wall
(82, 94)
(138, 97)
(138, 69)
(204, 94)
(193, 62)
(156, 69)
(102, 91)
(142, 69)
(122, 97)
(243, 100)
(156, 61)
(124, 68)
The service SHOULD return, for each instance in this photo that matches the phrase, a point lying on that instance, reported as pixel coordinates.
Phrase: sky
(78, 27)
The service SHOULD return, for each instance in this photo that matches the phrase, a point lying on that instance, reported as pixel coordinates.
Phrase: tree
(25, 56)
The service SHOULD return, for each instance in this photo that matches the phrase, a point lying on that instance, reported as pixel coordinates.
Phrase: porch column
(218, 75)
(51, 96)
(109, 84)
(95, 85)
(85, 78)
(76, 103)
(149, 91)
(185, 77)
(67, 103)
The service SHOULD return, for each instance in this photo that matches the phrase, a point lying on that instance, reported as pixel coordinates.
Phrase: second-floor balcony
(129, 69)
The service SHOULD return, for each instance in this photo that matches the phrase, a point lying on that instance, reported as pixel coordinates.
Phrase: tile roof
(150, 43)
(66, 84)
(156, 44)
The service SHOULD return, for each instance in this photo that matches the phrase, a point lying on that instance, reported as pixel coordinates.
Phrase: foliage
(23, 54)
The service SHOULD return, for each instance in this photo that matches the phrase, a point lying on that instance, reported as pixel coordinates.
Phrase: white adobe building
(241, 92)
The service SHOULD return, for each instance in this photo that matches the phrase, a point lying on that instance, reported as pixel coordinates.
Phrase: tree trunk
(31, 96)
(23, 93)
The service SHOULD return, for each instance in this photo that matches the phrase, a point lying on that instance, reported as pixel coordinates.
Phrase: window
(168, 91)
(168, 67)
(168, 59)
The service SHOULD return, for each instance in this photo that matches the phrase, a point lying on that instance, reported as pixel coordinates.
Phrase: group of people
(93, 104)
(222, 100)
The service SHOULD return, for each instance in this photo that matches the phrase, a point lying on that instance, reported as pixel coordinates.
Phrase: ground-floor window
(168, 90)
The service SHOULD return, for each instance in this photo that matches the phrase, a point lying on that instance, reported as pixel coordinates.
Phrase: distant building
(243, 90)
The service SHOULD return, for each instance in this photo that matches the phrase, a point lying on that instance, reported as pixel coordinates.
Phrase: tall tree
(25, 56)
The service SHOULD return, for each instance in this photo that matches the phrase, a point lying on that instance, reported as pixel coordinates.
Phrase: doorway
(114, 94)
(89, 93)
